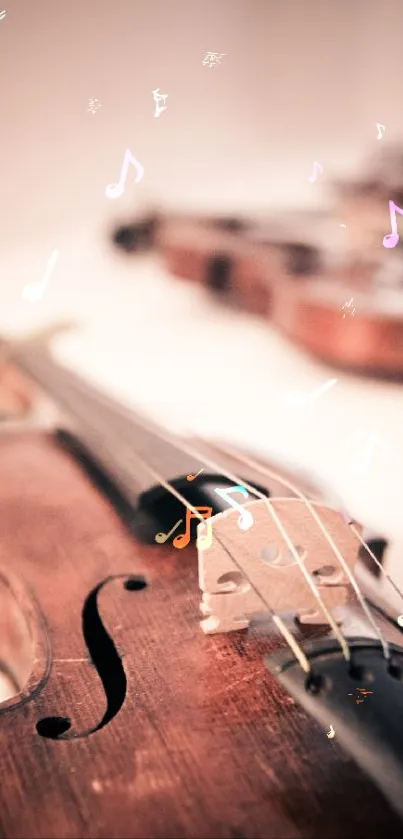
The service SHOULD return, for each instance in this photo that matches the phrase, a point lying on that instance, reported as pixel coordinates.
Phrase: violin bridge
(243, 572)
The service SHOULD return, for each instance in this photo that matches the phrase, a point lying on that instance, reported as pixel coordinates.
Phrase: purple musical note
(116, 190)
(391, 239)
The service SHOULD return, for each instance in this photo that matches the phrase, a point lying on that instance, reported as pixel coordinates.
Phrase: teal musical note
(245, 520)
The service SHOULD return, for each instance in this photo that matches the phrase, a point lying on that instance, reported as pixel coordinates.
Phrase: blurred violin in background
(343, 304)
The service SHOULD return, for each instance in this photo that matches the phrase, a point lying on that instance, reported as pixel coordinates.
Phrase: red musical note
(184, 538)
(391, 239)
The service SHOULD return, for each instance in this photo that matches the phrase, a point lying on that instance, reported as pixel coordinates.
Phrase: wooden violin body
(122, 718)
(341, 315)
(201, 741)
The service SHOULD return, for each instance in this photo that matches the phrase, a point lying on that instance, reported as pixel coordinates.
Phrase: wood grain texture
(206, 744)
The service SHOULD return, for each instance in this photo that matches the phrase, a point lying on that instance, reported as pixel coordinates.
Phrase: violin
(154, 688)
(335, 293)
(348, 315)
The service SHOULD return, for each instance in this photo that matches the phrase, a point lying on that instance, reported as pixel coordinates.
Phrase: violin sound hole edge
(105, 659)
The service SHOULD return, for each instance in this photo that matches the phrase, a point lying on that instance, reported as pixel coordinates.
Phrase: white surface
(164, 346)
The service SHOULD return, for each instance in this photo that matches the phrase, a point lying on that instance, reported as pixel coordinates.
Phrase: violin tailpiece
(265, 572)
(363, 701)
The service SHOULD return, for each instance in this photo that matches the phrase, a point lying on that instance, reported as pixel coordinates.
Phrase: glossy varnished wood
(206, 744)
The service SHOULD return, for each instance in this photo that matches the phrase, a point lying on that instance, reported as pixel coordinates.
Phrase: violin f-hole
(105, 659)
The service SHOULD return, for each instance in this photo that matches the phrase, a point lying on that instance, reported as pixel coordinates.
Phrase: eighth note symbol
(192, 477)
(116, 190)
(379, 126)
(316, 166)
(391, 239)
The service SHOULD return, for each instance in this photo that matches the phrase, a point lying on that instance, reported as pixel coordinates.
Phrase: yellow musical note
(183, 539)
(162, 537)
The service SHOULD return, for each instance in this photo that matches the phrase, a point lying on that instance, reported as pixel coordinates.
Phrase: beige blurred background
(301, 80)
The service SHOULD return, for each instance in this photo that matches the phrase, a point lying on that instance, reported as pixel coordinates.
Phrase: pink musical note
(116, 190)
(316, 167)
(245, 520)
(391, 239)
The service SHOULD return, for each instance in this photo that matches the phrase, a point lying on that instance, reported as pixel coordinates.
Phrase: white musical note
(34, 291)
(400, 620)
(3, 14)
(316, 166)
(158, 97)
(391, 239)
(116, 190)
(331, 732)
(369, 447)
(296, 399)
(245, 520)
(379, 126)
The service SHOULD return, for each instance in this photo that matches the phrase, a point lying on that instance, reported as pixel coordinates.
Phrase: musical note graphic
(245, 520)
(183, 539)
(204, 541)
(116, 190)
(316, 166)
(331, 732)
(34, 291)
(162, 537)
(3, 14)
(364, 693)
(158, 97)
(192, 477)
(379, 126)
(350, 306)
(391, 239)
(400, 620)
(296, 399)
(369, 446)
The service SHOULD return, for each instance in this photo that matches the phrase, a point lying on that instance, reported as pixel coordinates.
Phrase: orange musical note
(183, 539)
(192, 477)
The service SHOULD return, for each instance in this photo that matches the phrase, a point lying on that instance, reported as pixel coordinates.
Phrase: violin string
(376, 560)
(248, 461)
(188, 449)
(290, 485)
(129, 454)
(217, 467)
(288, 636)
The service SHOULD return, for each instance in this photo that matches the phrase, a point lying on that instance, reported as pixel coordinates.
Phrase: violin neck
(127, 447)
